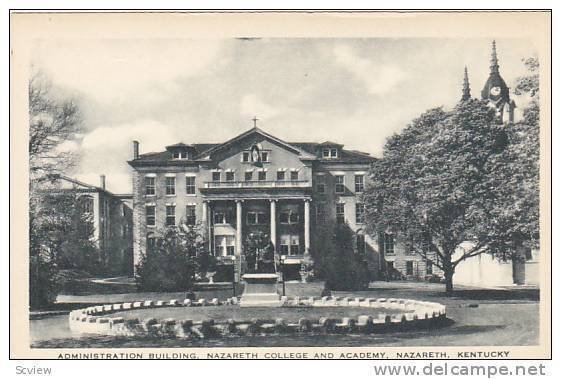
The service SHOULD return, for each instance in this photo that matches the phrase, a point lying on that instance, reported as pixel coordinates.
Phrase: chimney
(102, 181)
(135, 149)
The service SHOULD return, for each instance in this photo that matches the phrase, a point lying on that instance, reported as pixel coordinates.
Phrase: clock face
(496, 91)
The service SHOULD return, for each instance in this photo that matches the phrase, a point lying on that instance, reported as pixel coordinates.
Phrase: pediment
(249, 139)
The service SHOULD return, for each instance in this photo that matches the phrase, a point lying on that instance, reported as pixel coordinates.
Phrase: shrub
(174, 262)
(337, 261)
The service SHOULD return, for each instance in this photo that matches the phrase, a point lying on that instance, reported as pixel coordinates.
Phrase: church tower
(496, 92)
(466, 91)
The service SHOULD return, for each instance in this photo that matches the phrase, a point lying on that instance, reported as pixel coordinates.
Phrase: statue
(259, 253)
(260, 288)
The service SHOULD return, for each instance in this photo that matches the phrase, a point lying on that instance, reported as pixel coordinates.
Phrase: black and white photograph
(225, 191)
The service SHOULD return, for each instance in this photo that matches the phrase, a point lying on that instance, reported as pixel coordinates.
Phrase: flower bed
(298, 315)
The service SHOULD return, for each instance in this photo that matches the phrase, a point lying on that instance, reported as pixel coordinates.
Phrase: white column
(206, 226)
(307, 226)
(274, 223)
(238, 228)
(205, 215)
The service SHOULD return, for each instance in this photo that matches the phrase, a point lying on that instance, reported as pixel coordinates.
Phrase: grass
(481, 318)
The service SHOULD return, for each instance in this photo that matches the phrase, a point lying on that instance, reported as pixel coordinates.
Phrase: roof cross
(255, 119)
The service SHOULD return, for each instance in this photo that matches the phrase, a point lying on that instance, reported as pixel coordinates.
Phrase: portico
(285, 219)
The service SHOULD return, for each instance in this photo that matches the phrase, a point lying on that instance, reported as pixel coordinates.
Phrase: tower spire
(494, 60)
(466, 91)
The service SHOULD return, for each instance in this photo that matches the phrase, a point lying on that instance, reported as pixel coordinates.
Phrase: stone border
(420, 315)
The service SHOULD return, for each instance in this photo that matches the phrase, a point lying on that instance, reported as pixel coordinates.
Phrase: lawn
(480, 318)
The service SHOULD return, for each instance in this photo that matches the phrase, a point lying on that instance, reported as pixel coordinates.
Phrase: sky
(353, 91)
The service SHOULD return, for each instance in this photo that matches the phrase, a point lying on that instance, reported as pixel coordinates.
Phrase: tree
(65, 230)
(342, 268)
(172, 264)
(428, 185)
(53, 120)
(43, 284)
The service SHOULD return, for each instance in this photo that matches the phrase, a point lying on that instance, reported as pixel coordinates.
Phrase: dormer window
(329, 153)
(181, 151)
(180, 154)
(329, 150)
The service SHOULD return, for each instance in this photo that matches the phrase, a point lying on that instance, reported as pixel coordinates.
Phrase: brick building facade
(253, 182)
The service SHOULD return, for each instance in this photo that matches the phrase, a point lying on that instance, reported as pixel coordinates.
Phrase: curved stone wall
(416, 315)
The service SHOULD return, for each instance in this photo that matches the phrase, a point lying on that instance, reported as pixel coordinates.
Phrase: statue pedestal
(260, 291)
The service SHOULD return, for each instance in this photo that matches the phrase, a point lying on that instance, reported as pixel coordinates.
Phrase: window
(224, 245)
(388, 244)
(290, 244)
(245, 156)
(230, 176)
(223, 217)
(216, 176)
(359, 213)
(320, 183)
(170, 185)
(340, 213)
(409, 267)
(294, 245)
(280, 175)
(150, 242)
(178, 154)
(190, 185)
(294, 217)
(256, 218)
(170, 215)
(262, 175)
(123, 210)
(219, 218)
(429, 268)
(359, 183)
(264, 156)
(88, 204)
(293, 175)
(248, 176)
(330, 152)
(150, 215)
(150, 185)
(289, 217)
(360, 244)
(320, 213)
(339, 183)
(190, 215)
(284, 244)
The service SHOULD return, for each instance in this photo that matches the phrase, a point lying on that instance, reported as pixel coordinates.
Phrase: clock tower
(496, 92)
